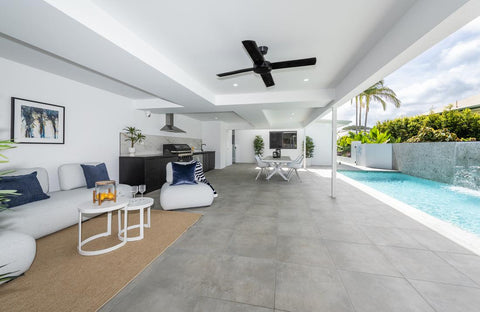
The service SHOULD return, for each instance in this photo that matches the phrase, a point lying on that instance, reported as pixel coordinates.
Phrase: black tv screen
(283, 139)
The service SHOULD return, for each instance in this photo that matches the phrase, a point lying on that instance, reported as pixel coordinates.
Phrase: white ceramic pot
(309, 162)
(131, 150)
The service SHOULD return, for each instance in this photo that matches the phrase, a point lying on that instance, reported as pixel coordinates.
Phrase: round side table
(106, 207)
(140, 204)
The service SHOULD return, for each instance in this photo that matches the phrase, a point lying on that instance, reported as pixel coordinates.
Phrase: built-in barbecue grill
(183, 151)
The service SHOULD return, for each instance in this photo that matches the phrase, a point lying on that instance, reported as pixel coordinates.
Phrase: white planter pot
(131, 150)
(309, 162)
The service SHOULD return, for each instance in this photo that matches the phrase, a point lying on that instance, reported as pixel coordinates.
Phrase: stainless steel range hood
(169, 125)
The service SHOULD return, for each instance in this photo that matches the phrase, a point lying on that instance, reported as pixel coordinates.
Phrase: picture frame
(36, 122)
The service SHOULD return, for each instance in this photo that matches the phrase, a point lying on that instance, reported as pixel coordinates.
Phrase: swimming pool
(456, 205)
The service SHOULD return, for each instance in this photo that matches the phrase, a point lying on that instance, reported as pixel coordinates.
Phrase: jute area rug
(62, 280)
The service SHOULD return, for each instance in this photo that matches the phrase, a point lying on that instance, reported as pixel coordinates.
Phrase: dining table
(278, 163)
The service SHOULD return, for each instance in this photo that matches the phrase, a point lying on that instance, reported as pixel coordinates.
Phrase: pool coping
(463, 238)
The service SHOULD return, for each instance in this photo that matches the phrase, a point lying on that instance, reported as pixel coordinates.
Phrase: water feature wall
(456, 163)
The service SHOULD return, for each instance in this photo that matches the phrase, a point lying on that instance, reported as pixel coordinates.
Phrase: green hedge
(464, 125)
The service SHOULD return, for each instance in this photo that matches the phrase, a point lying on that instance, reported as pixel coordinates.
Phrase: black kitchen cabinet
(148, 170)
(208, 161)
(151, 169)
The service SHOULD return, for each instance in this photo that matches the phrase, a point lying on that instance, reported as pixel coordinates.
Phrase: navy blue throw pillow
(95, 173)
(27, 186)
(183, 174)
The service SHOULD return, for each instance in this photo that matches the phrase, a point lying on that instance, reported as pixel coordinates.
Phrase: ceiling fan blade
(253, 51)
(268, 79)
(295, 63)
(235, 72)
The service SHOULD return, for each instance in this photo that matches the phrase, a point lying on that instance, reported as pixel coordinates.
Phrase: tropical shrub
(428, 134)
(464, 124)
(375, 136)
(258, 145)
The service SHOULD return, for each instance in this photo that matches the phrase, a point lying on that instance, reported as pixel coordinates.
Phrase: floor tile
(434, 241)
(360, 258)
(303, 250)
(467, 264)
(256, 224)
(304, 228)
(253, 245)
(207, 239)
(390, 236)
(305, 288)
(342, 232)
(205, 304)
(449, 298)
(240, 279)
(425, 265)
(377, 293)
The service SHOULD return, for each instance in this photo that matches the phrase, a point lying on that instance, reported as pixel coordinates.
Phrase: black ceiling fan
(264, 67)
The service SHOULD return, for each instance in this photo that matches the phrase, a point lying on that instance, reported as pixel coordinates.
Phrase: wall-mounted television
(283, 139)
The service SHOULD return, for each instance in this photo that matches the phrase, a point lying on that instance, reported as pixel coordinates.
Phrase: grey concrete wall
(449, 162)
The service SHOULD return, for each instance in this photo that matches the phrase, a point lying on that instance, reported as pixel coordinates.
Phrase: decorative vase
(131, 150)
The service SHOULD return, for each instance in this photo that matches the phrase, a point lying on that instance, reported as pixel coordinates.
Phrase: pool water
(456, 205)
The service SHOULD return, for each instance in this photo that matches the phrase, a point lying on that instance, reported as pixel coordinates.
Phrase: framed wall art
(37, 122)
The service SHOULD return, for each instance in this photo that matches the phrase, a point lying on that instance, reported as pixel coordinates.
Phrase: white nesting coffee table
(140, 204)
(89, 208)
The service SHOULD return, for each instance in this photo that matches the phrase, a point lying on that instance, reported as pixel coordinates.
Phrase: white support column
(334, 152)
(304, 148)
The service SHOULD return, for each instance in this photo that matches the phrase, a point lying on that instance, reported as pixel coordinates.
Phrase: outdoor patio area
(288, 246)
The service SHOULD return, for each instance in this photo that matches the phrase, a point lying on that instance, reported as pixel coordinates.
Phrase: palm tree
(376, 93)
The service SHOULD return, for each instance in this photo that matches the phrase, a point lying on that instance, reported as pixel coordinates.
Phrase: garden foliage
(450, 125)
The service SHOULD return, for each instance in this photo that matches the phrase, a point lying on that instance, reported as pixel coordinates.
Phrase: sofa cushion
(71, 176)
(183, 174)
(169, 177)
(46, 216)
(27, 186)
(94, 174)
(42, 176)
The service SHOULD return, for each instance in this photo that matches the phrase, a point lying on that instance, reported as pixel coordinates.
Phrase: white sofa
(184, 196)
(47, 216)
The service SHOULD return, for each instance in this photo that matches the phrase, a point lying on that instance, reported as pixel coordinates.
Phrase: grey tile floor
(277, 246)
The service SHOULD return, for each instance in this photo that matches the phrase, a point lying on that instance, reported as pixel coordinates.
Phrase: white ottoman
(17, 251)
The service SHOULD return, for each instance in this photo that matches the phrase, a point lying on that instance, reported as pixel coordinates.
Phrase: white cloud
(447, 72)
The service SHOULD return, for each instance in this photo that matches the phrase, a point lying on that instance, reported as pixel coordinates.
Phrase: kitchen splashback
(153, 144)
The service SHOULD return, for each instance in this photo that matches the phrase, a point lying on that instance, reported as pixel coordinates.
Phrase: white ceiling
(165, 54)
(205, 36)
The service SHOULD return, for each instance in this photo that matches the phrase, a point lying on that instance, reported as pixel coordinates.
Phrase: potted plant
(309, 148)
(258, 145)
(133, 135)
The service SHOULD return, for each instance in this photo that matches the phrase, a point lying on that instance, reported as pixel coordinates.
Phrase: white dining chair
(264, 167)
(293, 166)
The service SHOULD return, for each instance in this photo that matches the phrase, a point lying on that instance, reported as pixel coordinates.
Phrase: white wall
(244, 142)
(321, 134)
(219, 139)
(93, 120)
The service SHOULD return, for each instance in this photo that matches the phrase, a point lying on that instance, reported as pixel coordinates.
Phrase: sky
(447, 72)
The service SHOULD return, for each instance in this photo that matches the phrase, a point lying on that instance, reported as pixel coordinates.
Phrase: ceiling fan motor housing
(264, 68)
(263, 49)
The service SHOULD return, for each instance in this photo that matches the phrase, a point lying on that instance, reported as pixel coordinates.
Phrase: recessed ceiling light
(292, 114)
(306, 79)
(235, 84)
(215, 117)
